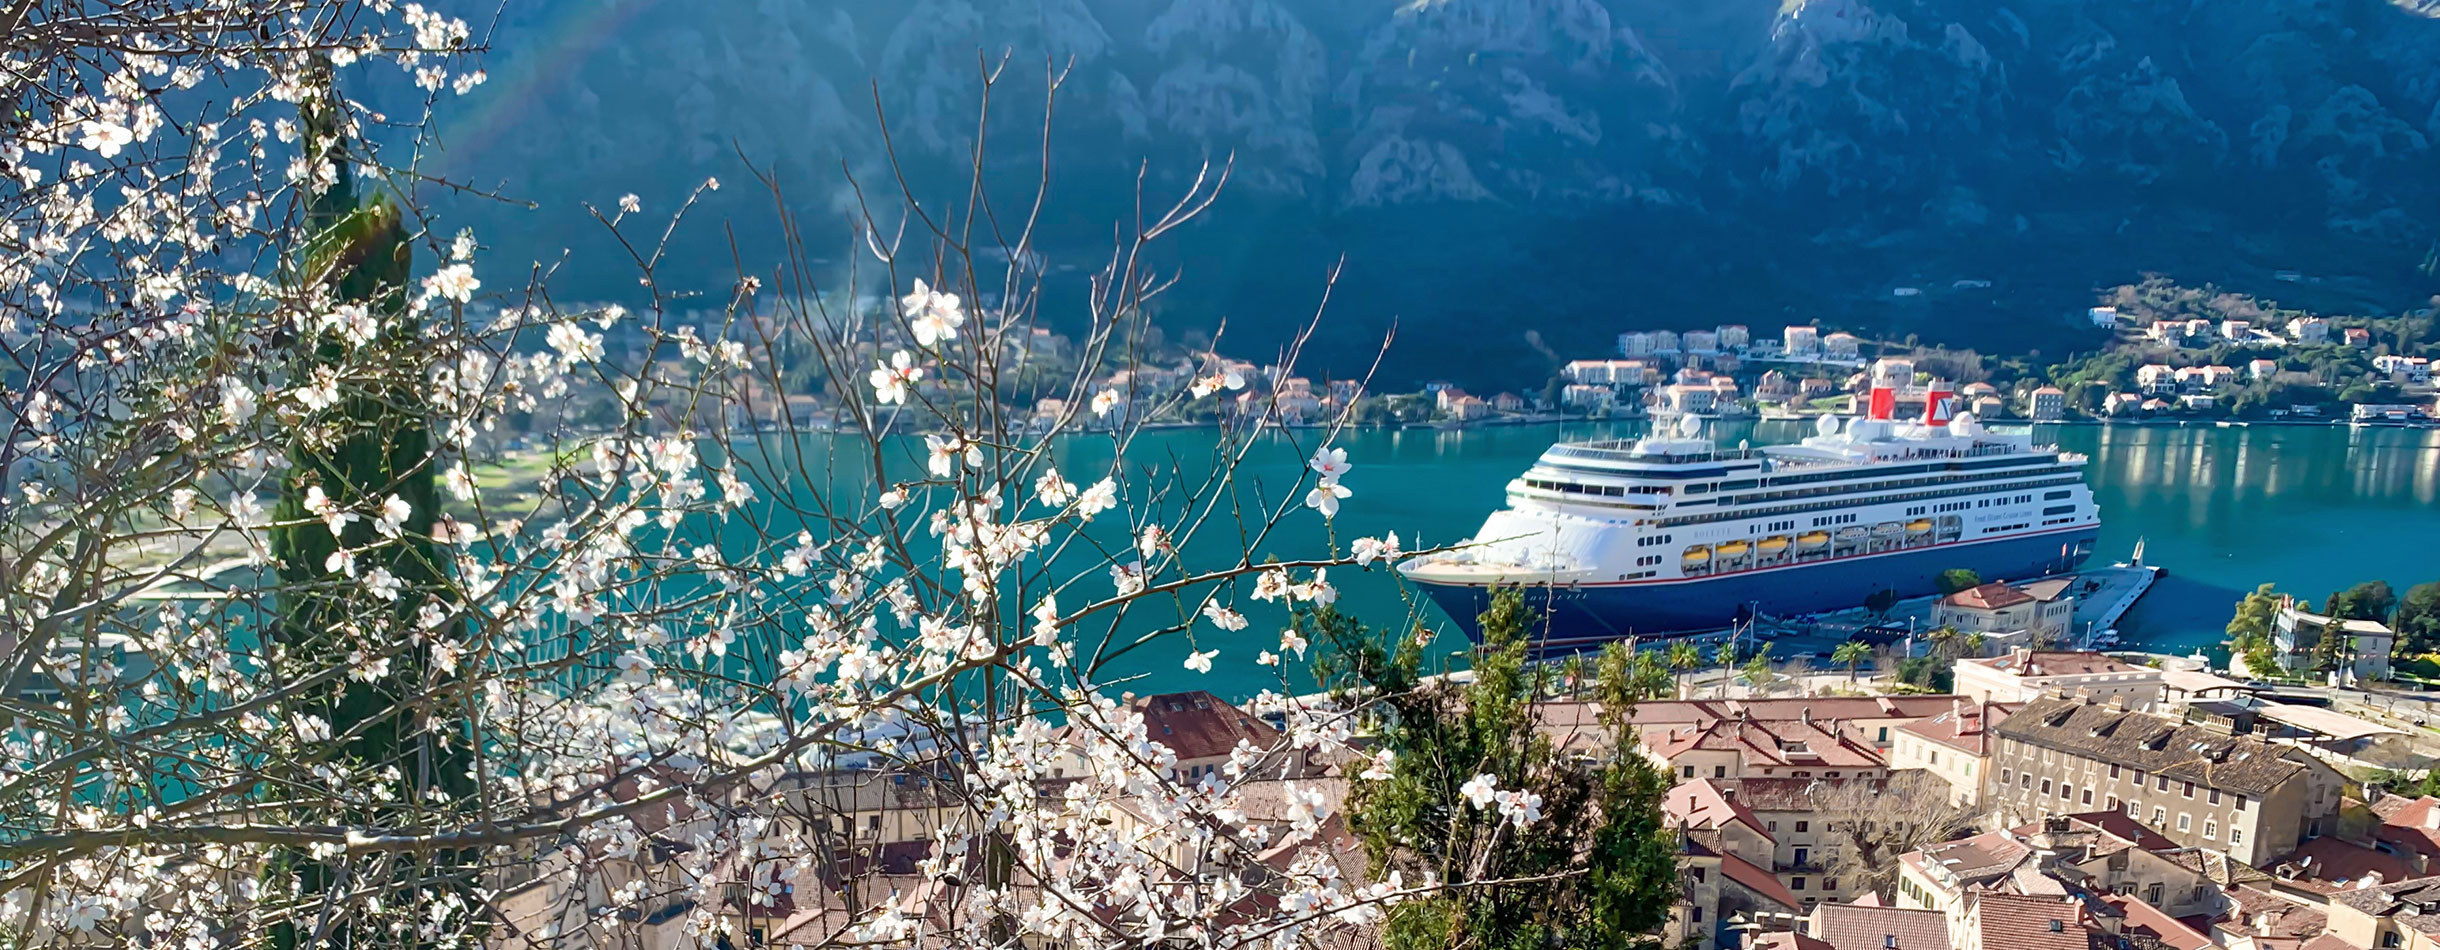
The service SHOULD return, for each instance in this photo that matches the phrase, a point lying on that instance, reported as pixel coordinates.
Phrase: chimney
(1884, 400)
(1804, 713)
(2431, 817)
(1938, 403)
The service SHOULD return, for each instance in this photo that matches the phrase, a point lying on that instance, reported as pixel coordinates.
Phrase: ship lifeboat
(1850, 534)
(1887, 528)
(1919, 526)
(1773, 545)
(1730, 549)
(1812, 540)
(1699, 554)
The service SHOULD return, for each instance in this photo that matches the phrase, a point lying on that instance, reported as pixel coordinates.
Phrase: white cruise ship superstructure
(1671, 534)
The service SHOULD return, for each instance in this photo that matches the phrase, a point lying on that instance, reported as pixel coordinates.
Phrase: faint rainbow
(559, 49)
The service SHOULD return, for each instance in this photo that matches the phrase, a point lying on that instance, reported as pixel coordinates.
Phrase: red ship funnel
(1884, 405)
(1939, 404)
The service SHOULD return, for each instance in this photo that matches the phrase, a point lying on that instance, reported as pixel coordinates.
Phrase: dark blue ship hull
(1586, 616)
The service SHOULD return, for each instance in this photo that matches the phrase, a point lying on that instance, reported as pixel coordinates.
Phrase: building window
(2151, 895)
(1803, 856)
(2113, 773)
(2240, 801)
(1698, 915)
(2211, 829)
(2160, 816)
(2006, 776)
(1884, 734)
(1803, 826)
(2113, 803)
(2236, 835)
(2215, 796)
(2161, 783)
(2389, 939)
(1796, 884)
(1719, 771)
(1698, 874)
(2088, 796)
(2184, 821)
(1773, 827)
(2067, 792)
(1690, 771)
(2045, 786)
(2189, 789)
(2025, 780)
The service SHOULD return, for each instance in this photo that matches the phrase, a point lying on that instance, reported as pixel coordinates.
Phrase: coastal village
(2046, 797)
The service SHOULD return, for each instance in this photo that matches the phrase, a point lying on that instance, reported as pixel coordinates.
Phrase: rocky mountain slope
(1560, 168)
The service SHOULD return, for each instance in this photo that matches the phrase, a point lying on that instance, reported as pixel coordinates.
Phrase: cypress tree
(374, 443)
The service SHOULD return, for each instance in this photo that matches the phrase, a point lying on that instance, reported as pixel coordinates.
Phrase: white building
(2024, 675)
(1733, 336)
(1632, 345)
(2103, 316)
(2044, 607)
(2047, 404)
(1801, 341)
(2309, 330)
(1841, 346)
(1700, 341)
(2296, 635)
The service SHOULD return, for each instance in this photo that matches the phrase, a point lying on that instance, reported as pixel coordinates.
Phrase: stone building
(2195, 785)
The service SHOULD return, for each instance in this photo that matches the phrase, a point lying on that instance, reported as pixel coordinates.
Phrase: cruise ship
(1671, 534)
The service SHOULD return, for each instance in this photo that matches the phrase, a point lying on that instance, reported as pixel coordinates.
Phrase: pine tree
(326, 617)
(1598, 868)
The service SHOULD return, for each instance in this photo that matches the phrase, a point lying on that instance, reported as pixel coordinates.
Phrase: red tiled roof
(2009, 922)
(2057, 663)
(1785, 940)
(2409, 824)
(1199, 725)
(1991, 596)
(1965, 727)
(1854, 927)
(1753, 878)
(2116, 831)
(2328, 941)
(1782, 794)
(1780, 743)
(1701, 804)
(2144, 919)
(2329, 864)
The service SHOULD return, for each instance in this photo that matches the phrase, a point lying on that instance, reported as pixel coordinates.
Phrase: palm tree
(1758, 671)
(1975, 643)
(1684, 657)
(1942, 638)
(1851, 653)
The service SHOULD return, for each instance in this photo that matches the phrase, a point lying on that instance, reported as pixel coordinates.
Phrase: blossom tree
(357, 591)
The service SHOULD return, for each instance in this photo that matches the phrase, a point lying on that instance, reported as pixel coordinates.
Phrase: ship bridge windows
(1572, 488)
(2056, 495)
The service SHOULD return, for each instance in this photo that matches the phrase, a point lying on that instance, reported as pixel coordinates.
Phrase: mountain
(1513, 180)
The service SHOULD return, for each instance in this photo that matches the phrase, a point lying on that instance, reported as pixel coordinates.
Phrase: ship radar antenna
(1827, 426)
(1689, 426)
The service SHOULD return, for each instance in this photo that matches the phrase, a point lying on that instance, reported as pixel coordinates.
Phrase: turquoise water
(2310, 508)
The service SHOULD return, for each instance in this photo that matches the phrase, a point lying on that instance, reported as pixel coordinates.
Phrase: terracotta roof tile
(2329, 864)
(1753, 878)
(1852, 927)
(2146, 920)
(1703, 804)
(2173, 750)
(2010, 922)
(1199, 725)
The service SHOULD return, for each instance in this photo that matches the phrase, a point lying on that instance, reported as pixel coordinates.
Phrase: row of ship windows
(1874, 487)
(1791, 509)
(1621, 491)
(1652, 539)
